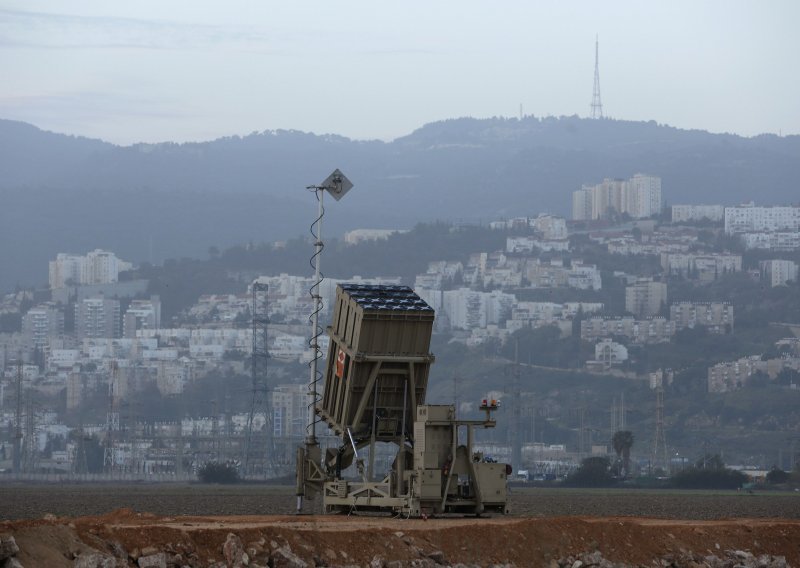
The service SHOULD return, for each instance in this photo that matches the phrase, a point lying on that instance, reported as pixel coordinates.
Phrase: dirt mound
(126, 538)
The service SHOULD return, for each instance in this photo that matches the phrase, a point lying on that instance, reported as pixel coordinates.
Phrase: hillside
(155, 201)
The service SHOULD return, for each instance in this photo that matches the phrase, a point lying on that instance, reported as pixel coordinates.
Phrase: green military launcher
(375, 383)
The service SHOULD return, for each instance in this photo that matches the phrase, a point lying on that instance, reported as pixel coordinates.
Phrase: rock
(149, 551)
(377, 562)
(283, 557)
(577, 564)
(158, 560)
(95, 560)
(119, 550)
(8, 546)
(12, 563)
(233, 550)
(50, 517)
(437, 556)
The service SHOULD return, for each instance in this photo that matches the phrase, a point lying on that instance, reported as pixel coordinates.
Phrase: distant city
(97, 336)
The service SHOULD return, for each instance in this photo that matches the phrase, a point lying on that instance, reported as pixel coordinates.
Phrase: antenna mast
(597, 104)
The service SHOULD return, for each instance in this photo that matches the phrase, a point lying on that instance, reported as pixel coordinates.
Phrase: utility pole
(516, 438)
(18, 419)
(112, 421)
(262, 451)
(659, 455)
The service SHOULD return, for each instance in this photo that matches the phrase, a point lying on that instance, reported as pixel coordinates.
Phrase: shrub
(716, 478)
(214, 472)
(593, 472)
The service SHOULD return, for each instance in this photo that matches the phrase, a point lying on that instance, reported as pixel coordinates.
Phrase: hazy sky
(155, 70)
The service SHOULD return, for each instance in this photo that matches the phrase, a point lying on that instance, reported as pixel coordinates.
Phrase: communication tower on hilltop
(597, 104)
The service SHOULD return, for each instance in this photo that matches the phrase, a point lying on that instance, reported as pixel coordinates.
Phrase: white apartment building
(645, 297)
(97, 318)
(97, 267)
(141, 314)
(778, 272)
(608, 353)
(777, 241)
(521, 245)
(716, 316)
(639, 197)
(648, 331)
(41, 324)
(289, 410)
(748, 218)
(469, 309)
(683, 213)
(365, 235)
(733, 375)
(706, 267)
(551, 227)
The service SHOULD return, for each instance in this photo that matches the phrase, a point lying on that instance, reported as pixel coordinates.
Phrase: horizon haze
(177, 72)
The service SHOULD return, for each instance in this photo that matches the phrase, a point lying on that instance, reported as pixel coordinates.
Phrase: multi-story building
(733, 375)
(683, 213)
(41, 324)
(608, 353)
(777, 241)
(555, 275)
(97, 267)
(778, 272)
(141, 314)
(705, 267)
(748, 218)
(97, 318)
(582, 204)
(469, 309)
(645, 297)
(66, 270)
(639, 197)
(364, 235)
(648, 331)
(290, 405)
(716, 316)
(550, 227)
(528, 244)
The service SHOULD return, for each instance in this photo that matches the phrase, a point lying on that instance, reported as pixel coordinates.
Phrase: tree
(777, 476)
(622, 442)
(593, 472)
(214, 472)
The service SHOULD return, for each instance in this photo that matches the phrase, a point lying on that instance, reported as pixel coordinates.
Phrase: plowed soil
(348, 541)
(34, 501)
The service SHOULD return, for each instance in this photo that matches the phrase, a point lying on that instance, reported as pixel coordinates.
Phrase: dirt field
(126, 538)
(200, 526)
(34, 501)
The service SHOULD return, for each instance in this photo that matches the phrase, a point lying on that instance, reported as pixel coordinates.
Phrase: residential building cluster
(734, 375)
(687, 213)
(705, 267)
(773, 228)
(99, 335)
(357, 236)
(96, 267)
(778, 272)
(639, 197)
(716, 317)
